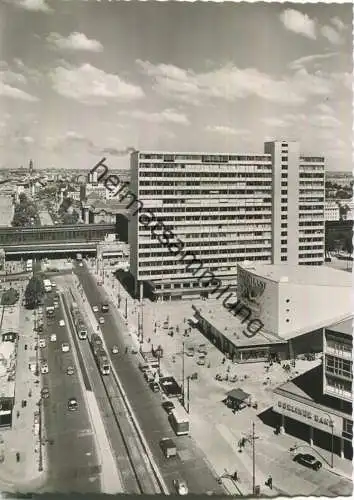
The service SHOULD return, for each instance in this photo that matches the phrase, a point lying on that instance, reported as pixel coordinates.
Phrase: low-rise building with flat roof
(318, 404)
(8, 357)
(279, 311)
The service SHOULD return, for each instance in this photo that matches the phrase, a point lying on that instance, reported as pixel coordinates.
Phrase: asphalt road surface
(73, 462)
(191, 464)
(115, 437)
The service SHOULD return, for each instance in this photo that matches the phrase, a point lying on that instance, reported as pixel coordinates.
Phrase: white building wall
(311, 306)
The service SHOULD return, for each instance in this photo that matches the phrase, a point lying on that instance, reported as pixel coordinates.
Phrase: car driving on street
(308, 460)
(180, 487)
(115, 349)
(73, 405)
(65, 347)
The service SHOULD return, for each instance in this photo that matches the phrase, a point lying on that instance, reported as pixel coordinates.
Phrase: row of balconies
(338, 353)
(174, 268)
(338, 392)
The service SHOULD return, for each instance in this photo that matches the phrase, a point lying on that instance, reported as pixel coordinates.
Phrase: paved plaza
(211, 418)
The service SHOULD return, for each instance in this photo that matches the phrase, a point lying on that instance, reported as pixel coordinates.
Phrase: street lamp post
(332, 443)
(40, 466)
(188, 399)
(183, 373)
(252, 437)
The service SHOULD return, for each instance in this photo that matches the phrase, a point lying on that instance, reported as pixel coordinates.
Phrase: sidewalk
(23, 437)
(221, 447)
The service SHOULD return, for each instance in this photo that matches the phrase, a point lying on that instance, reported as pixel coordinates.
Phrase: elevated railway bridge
(53, 240)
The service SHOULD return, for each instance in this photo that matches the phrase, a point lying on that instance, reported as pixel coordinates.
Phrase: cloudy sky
(81, 79)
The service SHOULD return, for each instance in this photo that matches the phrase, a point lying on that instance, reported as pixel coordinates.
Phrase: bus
(50, 308)
(47, 285)
(179, 421)
(29, 265)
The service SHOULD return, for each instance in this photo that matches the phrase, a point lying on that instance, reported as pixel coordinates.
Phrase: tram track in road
(138, 473)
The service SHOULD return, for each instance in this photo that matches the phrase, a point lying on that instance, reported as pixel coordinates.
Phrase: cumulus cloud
(27, 72)
(338, 23)
(274, 122)
(165, 116)
(225, 130)
(75, 41)
(15, 93)
(324, 120)
(92, 86)
(297, 22)
(231, 83)
(331, 34)
(34, 5)
(307, 60)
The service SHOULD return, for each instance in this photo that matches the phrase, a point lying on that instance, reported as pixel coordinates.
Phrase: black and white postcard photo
(176, 249)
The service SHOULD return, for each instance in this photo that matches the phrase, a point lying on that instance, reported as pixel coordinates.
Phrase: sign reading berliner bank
(309, 415)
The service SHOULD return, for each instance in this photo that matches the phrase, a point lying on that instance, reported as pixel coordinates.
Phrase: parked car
(201, 361)
(154, 386)
(73, 405)
(149, 376)
(65, 347)
(115, 349)
(202, 349)
(70, 370)
(44, 367)
(180, 487)
(45, 393)
(61, 322)
(42, 343)
(101, 320)
(168, 406)
(308, 460)
(95, 309)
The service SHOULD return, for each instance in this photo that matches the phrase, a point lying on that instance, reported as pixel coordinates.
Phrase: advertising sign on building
(309, 415)
(250, 289)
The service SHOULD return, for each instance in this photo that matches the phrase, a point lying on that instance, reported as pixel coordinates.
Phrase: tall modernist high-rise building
(226, 209)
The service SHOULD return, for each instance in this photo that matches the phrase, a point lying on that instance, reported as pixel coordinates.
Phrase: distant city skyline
(82, 80)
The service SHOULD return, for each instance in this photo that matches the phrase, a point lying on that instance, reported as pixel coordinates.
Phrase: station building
(317, 406)
(278, 311)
